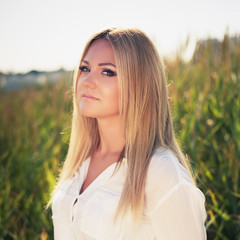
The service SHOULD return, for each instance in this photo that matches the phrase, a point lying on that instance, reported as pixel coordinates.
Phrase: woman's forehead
(100, 50)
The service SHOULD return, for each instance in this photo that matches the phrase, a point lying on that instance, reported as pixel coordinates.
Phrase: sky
(46, 35)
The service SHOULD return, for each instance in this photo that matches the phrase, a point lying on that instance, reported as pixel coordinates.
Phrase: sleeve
(180, 214)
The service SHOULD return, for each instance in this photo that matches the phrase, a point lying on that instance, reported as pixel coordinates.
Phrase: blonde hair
(144, 108)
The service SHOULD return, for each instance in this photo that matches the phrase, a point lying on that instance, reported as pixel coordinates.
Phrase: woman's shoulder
(165, 175)
(165, 167)
(73, 181)
(167, 179)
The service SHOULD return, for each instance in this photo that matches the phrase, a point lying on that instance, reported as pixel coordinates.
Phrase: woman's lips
(89, 97)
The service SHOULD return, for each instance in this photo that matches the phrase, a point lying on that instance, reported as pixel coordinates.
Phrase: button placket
(74, 206)
(78, 184)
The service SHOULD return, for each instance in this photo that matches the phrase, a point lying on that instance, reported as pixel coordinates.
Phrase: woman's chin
(87, 114)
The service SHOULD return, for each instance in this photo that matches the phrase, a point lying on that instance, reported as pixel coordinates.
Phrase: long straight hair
(144, 108)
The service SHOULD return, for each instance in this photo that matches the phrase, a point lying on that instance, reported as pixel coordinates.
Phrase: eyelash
(109, 72)
(106, 72)
(84, 69)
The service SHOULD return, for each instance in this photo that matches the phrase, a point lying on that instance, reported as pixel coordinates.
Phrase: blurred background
(40, 45)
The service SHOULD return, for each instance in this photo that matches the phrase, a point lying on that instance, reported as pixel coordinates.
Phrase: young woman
(124, 177)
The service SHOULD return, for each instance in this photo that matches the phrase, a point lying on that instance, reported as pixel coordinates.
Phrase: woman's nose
(87, 80)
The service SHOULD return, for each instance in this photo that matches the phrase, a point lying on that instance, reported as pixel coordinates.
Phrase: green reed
(206, 98)
(32, 147)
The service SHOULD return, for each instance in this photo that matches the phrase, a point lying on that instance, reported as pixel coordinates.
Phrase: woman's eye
(109, 73)
(84, 69)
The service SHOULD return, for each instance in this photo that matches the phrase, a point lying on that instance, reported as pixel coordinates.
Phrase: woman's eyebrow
(100, 64)
(104, 64)
(85, 62)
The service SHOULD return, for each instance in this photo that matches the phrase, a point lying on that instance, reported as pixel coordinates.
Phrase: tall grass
(34, 133)
(206, 99)
(31, 150)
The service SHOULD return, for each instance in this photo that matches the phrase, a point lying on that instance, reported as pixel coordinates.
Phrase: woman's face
(97, 87)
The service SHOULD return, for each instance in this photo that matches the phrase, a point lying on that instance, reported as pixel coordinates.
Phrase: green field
(205, 96)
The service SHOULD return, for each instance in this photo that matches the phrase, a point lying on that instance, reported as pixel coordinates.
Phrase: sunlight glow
(47, 35)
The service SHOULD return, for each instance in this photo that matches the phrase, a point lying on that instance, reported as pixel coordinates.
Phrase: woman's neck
(111, 136)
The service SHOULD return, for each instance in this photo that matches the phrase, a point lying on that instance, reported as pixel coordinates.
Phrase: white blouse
(174, 208)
